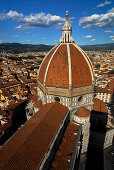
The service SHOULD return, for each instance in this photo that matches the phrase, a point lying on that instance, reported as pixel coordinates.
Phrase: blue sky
(40, 21)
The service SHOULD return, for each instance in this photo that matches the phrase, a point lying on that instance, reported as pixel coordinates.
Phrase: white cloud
(20, 27)
(28, 40)
(1, 41)
(40, 20)
(13, 36)
(92, 39)
(108, 31)
(104, 4)
(13, 15)
(111, 10)
(43, 38)
(22, 41)
(111, 37)
(2, 16)
(88, 36)
(98, 21)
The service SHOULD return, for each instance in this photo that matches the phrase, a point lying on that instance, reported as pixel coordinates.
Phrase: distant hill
(19, 48)
(98, 47)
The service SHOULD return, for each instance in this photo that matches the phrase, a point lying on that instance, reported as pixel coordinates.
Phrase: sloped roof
(82, 112)
(27, 147)
(99, 106)
(66, 148)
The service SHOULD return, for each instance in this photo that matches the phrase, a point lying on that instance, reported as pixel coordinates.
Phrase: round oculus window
(57, 99)
(80, 99)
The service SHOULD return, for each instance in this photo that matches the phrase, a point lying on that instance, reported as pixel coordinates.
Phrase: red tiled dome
(82, 112)
(66, 65)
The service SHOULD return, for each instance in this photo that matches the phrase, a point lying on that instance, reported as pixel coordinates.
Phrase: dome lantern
(66, 32)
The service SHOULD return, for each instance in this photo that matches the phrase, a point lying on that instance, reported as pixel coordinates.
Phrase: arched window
(65, 38)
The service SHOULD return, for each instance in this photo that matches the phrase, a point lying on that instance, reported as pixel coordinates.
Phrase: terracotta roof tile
(63, 156)
(81, 75)
(103, 90)
(58, 71)
(27, 147)
(82, 112)
(38, 104)
(44, 65)
(99, 106)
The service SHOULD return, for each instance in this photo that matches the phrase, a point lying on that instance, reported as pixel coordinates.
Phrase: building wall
(109, 138)
(105, 97)
(30, 110)
(81, 120)
(85, 140)
(71, 102)
(66, 92)
(84, 145)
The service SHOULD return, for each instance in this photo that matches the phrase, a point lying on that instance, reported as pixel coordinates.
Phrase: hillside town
(18, 75)
(103, 62)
